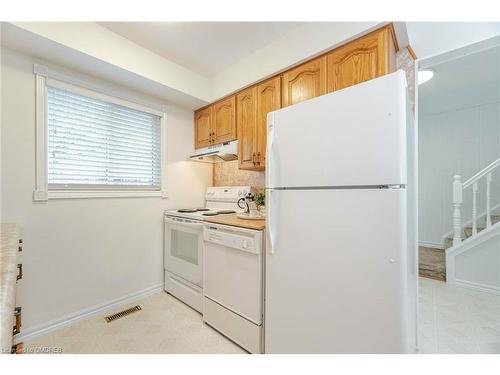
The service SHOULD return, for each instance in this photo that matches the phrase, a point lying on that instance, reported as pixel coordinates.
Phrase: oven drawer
(187, 292)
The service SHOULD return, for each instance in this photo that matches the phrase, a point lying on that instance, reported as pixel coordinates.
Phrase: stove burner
(187, 210)
(202, 209)
(210, 214)
(226, 212)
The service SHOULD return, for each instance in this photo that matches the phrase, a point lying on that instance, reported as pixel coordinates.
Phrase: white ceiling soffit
(123, 63)
(237, 54)
(432, 38)
(259, 50)
(299, 44)
(207, 48)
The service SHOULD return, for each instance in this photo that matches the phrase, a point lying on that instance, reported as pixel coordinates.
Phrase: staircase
(475, 246)
(467, 231)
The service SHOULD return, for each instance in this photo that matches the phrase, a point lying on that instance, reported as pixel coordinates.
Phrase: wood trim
(411, 52)
(281, 72)
(393, 35)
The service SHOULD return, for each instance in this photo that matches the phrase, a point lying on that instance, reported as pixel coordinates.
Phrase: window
(95, 145)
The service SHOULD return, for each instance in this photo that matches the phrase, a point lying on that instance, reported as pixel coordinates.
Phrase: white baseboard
(433, 245)
(53, 325)
(478, 286)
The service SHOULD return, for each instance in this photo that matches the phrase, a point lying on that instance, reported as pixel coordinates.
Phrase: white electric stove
(183, 242)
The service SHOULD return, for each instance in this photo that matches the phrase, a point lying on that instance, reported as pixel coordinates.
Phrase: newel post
(457, 216)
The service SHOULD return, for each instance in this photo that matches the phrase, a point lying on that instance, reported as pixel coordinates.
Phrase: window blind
(97, 144)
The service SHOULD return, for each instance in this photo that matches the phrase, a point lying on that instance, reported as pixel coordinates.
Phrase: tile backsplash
(228, 174)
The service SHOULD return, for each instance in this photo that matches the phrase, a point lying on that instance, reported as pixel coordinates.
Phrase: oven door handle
(191, 223)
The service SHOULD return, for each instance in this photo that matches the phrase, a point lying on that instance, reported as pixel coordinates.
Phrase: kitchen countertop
(235, 221)
(9, 243)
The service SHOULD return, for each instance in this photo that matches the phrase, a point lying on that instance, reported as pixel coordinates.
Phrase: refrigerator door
(352, 137)
(336, 272)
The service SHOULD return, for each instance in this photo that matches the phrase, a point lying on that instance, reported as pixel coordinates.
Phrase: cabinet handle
(253, 159)
(19, 271)
(17, 328)
(20, 248)
(258, 157)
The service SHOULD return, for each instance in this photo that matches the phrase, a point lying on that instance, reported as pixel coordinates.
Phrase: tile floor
(457, 320)
(165, 325)
(452, 320)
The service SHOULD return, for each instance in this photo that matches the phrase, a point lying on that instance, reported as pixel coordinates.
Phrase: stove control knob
(244, 244)
(240, 193)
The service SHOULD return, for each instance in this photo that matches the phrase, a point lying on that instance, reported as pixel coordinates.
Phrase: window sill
(79, 194)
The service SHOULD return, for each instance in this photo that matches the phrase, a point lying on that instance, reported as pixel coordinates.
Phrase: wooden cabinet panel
(304, 82)
(202, 127)
(224, 120)
(268, 100)
(361, 60)
(246, 120)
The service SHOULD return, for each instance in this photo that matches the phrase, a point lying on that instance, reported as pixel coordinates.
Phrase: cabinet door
(246, 120)
(268, 100)
(304, 82)
(224, 120)
(361, 60)
(202, 127)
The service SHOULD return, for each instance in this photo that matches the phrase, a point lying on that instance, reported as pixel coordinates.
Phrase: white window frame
(42, 193)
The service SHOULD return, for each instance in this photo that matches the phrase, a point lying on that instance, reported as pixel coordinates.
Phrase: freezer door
(351, 137)
(336, 272)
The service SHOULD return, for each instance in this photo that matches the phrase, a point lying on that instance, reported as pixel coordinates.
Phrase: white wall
(480, 266)
(459, 133)
(82, 252)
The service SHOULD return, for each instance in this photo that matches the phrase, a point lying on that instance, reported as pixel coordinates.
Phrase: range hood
(217, 153)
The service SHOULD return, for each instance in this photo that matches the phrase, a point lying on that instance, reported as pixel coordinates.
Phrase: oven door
(184, 249)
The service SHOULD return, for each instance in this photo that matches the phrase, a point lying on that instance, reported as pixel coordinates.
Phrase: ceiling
(464, 72)
(206, 48)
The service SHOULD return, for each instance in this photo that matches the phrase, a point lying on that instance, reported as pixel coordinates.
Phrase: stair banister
(458, 188)
(457, 203)
(482, 173)
(474, 209)
(488, 200)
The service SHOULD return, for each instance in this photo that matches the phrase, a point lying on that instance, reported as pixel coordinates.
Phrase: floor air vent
(123, 313)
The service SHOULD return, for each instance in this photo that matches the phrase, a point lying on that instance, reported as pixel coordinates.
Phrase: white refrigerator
(341, 223)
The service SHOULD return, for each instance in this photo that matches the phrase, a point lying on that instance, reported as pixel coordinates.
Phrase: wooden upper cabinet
(202, 127)
(224, 120)
(268, 100)
(245, 115)
(304, 82)
(246, 120)
(368, 57)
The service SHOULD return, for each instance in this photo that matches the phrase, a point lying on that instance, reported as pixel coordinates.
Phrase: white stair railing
(458, 188)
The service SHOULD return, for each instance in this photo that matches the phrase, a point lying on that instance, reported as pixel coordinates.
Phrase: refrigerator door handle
(269, 151)
(271, 239)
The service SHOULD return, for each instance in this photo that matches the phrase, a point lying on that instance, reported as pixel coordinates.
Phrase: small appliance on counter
(249, 206)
